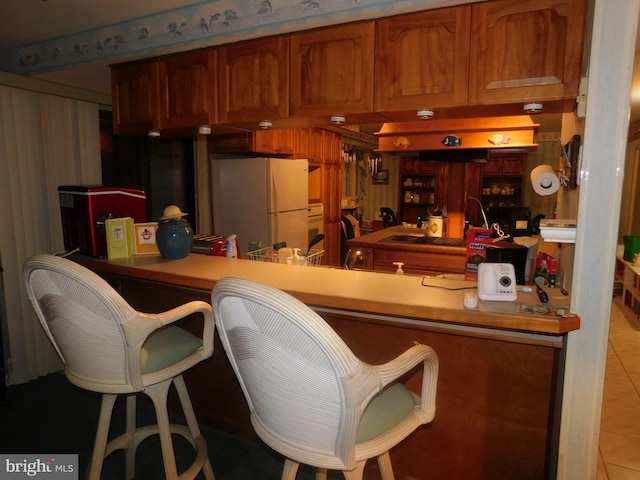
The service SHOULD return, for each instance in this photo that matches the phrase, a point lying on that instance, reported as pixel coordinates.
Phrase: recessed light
(425, 114)
(533, 107)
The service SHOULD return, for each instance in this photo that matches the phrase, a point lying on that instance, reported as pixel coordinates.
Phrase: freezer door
(290, 227)
(289, 182)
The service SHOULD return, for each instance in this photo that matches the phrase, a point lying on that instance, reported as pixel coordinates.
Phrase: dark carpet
(50, 415)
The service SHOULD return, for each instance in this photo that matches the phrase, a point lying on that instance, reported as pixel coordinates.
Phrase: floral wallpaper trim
(214, 22)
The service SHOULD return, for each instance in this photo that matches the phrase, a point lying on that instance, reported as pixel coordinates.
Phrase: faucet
(351, 259)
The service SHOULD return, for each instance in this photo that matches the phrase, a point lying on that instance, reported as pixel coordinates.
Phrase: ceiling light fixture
(338, 119)
(154, 133)
(204, 130)
(265, 124)
(533, 107)
(425, 114)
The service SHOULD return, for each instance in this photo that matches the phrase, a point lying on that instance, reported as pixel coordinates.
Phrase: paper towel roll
(544, 180)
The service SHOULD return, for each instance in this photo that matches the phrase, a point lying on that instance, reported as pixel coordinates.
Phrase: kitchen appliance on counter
(509, 252)
(261, 200)
(84, 209)
(513, 220)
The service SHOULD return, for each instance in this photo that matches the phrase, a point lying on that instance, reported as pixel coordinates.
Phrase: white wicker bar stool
(108, 347)
(310, 398)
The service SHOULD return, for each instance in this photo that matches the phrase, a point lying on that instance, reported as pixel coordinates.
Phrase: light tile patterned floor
(619, 456)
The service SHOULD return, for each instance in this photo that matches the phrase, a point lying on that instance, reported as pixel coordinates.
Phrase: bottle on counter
(232, 251)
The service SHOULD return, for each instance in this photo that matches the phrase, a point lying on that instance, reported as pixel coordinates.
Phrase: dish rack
(269, 254)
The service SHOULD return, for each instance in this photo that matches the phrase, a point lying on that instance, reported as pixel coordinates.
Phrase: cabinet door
(309, 144)
(514, 165)
(503, 179)
(332, 148)
(526, 50)
(187, 89)
(276, 142)
(254, 80)
(422, 59)
(331, 202)
(135, 95)
(332, 70)
(492, 167)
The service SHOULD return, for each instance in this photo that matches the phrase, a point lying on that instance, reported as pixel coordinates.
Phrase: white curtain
(45, 141)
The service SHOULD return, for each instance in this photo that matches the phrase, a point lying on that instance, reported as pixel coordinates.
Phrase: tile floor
(619, 457)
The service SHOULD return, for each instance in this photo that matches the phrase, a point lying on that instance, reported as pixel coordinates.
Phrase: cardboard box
(477, 238)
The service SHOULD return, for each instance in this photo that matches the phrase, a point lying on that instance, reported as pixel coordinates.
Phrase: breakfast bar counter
(500, 384)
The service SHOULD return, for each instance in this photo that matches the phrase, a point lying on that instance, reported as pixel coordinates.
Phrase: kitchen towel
(544, 180)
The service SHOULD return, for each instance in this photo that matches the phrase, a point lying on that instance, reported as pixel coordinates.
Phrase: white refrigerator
(261, 199)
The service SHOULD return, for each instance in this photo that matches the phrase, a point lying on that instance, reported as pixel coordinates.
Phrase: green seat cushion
(167, 346)
(386, 410)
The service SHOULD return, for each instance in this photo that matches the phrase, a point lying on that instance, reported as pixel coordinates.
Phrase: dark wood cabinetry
(315, 145)
(134, 88)
(503, 178)
(418, 189)
(331, 201)
(254, 80)
(174, 92)
(526, 50)
(332, 196)
(279, 143)
(502, 52)
(187, 93)
(422, 59)
(332, 70)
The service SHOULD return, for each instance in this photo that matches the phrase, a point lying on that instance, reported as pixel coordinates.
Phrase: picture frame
(145, 237)
(381, 177)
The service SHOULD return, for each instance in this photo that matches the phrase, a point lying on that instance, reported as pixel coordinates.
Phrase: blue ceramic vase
(174, 238)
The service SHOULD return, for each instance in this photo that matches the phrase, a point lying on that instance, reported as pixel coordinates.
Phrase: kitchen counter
(414, 239)
(408, 296)
(499, 388)
(411, 246)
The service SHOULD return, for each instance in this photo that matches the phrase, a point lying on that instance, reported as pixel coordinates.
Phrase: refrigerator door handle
(274, 195)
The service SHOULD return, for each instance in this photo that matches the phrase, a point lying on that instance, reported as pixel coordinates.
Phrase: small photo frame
(145, 234)
(381, 177)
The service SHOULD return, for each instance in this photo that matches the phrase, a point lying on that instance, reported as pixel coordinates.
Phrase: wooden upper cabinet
(134, 96)
(277, 141)
(422, 59)
(187, 90)
(309, 144)
(526, 50)
(254, 80)
(332, 70)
